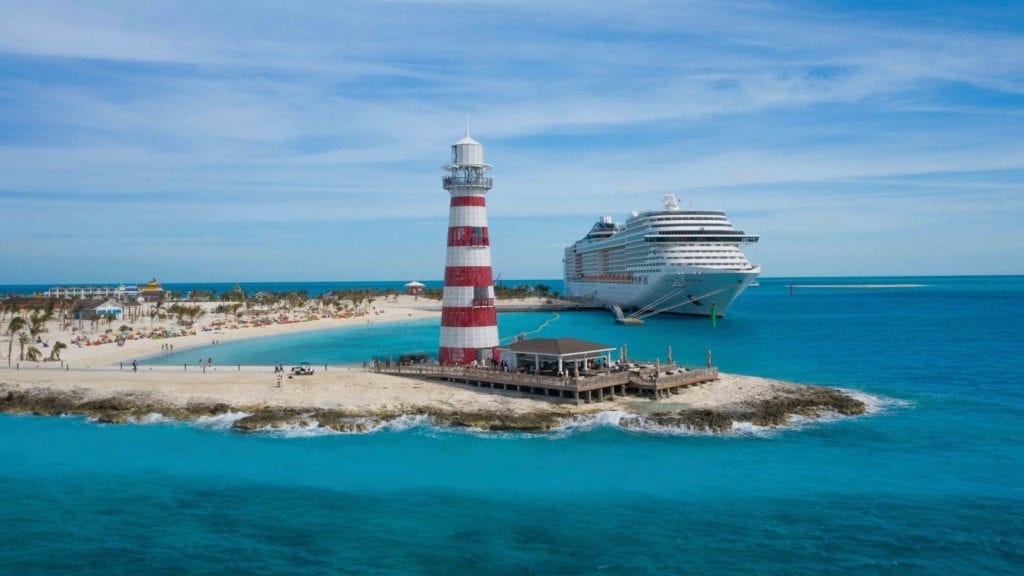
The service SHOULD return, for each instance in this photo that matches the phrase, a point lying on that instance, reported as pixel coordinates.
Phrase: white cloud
(287, 115)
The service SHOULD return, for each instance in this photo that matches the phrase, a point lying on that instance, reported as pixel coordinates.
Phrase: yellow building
(152, 291)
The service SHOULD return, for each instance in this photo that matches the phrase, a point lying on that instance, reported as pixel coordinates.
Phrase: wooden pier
(592, 387)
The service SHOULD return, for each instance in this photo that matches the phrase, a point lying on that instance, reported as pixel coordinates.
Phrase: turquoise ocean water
(932, 482)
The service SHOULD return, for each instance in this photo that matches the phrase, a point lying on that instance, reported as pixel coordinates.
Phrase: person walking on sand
(135, 367)
(280, 378)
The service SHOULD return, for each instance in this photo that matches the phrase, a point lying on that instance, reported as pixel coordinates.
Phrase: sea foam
(642, 424)
(151, 418)
(876, 404)
(221, 421)
(313, 428)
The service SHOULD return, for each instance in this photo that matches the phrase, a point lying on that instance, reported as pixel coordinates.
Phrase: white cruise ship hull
(678, 290)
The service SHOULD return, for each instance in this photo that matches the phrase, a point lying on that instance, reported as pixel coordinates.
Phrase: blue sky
(199, 141)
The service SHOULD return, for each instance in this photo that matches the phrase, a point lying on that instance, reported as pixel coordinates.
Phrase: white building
(98, 308)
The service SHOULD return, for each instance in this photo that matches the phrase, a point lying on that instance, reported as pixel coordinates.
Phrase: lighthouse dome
(468, 152)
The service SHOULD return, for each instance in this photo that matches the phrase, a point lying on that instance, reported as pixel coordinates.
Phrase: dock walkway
(594, 387)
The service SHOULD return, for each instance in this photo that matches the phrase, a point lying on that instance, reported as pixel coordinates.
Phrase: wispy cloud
(251, 114)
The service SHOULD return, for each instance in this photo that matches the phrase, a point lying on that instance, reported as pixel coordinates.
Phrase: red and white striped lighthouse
(469, 324)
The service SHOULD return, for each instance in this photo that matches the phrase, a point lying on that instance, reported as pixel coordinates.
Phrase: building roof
(94, 303)
(556, 346)
(26, 302)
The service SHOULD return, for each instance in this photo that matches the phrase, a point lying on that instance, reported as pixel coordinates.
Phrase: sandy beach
(349, 388)
(97, 380)
(334, 398)
(210, 328)
(214, 326)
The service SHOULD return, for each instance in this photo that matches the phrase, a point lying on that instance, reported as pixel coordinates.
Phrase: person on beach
(135, 366)
(280, 378)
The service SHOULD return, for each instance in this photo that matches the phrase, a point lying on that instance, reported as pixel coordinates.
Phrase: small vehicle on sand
(303, 369)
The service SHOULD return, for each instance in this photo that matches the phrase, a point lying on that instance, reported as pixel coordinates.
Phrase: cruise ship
(664, 261)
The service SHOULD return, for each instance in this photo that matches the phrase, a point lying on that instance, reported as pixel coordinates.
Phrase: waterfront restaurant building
(98, 308)
(556, 356)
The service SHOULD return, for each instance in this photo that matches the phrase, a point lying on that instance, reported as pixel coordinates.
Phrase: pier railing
(638, 377)
(497, 376)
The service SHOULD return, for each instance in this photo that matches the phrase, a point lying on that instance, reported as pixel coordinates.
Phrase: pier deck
(588, 388)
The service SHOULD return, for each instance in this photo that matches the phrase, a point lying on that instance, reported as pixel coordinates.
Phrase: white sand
(403, 308)
(354, 389)
(94, 370)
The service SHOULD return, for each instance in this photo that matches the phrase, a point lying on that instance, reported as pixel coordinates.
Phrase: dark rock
(811, 401)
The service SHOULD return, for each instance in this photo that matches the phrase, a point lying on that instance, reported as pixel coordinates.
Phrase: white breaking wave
(406, 422)
(749, 429)
(620, 420)
(151, 418)
(640, 423)
(616, 419)
(876, 404)
(221, 421)
(313, 428)
(589, 422)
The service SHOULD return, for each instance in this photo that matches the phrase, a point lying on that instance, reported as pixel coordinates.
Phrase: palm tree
(55, 351)
(33, 354)
(5, 307)
(16, 324)
(37, 323)
(23, 340)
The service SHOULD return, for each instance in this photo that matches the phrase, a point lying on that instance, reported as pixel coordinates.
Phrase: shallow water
(933, 482)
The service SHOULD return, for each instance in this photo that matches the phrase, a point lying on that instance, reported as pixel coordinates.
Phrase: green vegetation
(539, 291)
(14, 327)
(55, 351)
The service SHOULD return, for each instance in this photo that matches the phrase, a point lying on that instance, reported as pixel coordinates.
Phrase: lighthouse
(469, 323)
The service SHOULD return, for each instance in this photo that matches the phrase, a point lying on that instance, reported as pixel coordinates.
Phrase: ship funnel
(670, 201)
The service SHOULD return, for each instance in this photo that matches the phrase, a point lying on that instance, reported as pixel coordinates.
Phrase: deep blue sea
(932, 482)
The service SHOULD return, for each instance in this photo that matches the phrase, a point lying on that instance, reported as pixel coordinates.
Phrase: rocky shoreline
(127, 407)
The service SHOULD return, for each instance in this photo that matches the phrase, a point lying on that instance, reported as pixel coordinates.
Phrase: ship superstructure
(669, 260)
